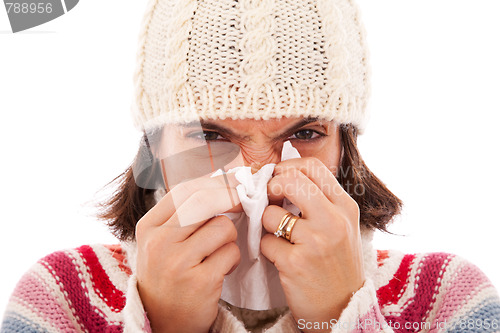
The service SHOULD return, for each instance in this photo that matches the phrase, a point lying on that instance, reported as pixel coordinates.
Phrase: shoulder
(87, 263)
(100, 268)
(82, 287)
(435, 285)
(432, 268)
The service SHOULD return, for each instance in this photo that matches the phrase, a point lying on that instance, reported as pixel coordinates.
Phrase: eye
(306, 134)
(205, 135)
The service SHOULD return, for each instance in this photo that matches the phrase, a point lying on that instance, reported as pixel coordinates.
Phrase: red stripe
(112, 296)
(428, 280)
(68, 277)
(388, 294)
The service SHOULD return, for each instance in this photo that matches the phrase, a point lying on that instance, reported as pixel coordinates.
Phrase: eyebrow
(210, 125)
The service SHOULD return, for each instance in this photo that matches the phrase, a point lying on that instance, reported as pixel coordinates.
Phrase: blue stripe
(485, 318)
(14, 323)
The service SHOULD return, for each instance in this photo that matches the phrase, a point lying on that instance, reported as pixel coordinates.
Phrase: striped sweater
(93, 289)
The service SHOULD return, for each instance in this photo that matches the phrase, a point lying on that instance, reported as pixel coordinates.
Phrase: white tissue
(255, 283)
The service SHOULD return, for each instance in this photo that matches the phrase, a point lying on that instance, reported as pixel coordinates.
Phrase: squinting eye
(306, 134)
(210, 135)
(205, 135)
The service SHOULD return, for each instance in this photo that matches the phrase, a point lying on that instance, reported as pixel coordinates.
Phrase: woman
(241, 78)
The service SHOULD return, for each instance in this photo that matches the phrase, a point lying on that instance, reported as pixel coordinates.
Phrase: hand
(180, 270)
(322, 266)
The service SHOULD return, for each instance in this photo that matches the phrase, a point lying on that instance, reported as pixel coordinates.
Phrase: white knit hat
(258, 59)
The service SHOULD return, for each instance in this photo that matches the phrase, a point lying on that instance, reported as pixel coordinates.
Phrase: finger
(196, 210)
(276, 250)
(166, 207)
(212, 235)
(272, 217)
(315, 170)
(222, 261)
(299, 189)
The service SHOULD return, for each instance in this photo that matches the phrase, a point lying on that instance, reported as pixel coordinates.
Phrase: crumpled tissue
(255, 283)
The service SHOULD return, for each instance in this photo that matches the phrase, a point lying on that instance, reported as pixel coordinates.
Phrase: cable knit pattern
(93, 289)
(141, 62)
(250, 59)
(258, 48)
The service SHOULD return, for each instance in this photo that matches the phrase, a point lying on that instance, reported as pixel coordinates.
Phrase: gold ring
(289, 227)
(284, 221)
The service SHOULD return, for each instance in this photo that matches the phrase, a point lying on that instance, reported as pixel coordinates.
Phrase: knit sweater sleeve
(433, 292)
(77, 290)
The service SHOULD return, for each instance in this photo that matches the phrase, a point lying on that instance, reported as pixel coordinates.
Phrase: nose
(257, 158)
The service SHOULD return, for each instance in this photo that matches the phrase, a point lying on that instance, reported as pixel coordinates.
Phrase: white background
(65, 129)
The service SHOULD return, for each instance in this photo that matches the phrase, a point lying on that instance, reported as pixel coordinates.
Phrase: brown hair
(378, 206)
(129, 202)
